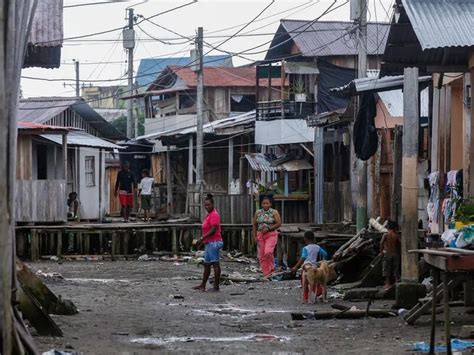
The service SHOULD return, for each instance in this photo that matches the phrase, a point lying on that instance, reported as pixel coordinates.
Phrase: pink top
(212, 219)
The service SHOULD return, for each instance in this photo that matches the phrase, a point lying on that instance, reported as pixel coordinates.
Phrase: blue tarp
(456, 344)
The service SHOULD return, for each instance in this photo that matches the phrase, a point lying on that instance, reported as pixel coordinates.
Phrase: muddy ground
(130, 307)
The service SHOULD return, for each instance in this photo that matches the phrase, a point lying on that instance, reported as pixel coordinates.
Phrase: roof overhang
(82, 139)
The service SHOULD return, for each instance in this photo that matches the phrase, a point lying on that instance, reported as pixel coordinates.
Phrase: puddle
(236, 312)
(104, 281)
(172, 340)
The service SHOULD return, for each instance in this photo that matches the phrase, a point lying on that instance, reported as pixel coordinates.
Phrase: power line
(117, 28)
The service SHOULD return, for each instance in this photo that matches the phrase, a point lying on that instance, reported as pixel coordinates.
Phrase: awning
(387, 83)
(81, 139)
(260, 162)
(300, 68)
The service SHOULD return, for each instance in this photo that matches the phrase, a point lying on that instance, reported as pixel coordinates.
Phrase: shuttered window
(90, 171)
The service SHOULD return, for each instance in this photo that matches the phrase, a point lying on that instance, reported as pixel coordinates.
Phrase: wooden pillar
(35, 254)
(65, 158)
(447, 118)
(113, 251)
(80, 249)
(59, 243)
(319, 175)
(231, 163)
(469, 114)
(409, 175)
(174, 241)
(435, 132)
(191, 161)
(87, 244)
(468, 140)
(286, 186)
(169, 186)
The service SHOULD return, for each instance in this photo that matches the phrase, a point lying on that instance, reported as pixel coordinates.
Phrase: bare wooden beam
(410, 270)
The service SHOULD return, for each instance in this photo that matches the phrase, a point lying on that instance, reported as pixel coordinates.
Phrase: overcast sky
(103, 57)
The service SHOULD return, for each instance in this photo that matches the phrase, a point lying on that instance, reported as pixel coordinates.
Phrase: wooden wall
(24, 162)
(345, 203)
(40, 201)
(113, 203)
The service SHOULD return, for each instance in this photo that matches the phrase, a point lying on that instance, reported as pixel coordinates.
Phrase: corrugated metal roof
(43, 109)
(150, 68)
(208, 128)
(47, 24)
(442, 23)
(82, 139)
(259, 162)
(40, 127)
(374, 83)
(325, 38)
(301, 67)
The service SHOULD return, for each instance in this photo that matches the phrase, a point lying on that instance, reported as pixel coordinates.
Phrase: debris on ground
(238, 277)
(456, 345)
(146, 257)
(59, 352)
(49, 275)
(349, 313)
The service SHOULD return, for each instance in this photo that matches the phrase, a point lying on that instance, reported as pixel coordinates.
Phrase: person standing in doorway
(145, 192)
(124, 189)
(212, 239)
(265, 224)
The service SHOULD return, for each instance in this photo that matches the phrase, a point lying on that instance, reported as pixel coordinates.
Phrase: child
(73, 205)
(145, 190)
(310, 255)
(390, 248)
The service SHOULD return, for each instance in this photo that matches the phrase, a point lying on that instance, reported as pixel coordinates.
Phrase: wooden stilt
(34, 249)
(59, 244)
(87, 244)
(80, 247)
(174, 241)
(114, 245)
(155, 241)
(447, 318)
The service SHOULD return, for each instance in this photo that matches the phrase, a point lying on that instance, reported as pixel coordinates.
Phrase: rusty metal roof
(325, 38)
(259, 162)
(442, 23)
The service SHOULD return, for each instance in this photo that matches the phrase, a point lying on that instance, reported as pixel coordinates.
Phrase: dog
(314, 276)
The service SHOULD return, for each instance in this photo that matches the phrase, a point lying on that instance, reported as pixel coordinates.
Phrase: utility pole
(198, 68)
(129, 45)
(76, 65)
(360, 6)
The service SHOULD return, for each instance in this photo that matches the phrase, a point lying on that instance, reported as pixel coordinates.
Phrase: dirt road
(149, 307)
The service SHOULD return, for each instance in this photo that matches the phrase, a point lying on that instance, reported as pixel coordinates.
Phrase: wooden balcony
(284, 109)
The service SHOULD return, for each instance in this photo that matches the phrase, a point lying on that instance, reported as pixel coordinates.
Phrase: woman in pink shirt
(212, 239)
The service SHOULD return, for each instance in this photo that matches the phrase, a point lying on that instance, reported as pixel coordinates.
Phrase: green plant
(465, 212)
(298, 86)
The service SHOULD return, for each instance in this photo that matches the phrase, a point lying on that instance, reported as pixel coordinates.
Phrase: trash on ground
(171, 340)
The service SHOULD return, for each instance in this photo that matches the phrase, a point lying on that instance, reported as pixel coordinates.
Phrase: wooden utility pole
(200, 114)
(78, 89)
(409, 175)
(318, 175)
(129, 45)
(361, 218)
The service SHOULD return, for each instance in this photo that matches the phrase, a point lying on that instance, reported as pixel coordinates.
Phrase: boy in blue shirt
(310, 255)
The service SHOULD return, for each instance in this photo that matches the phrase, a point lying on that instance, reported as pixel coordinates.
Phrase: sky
(102, 57)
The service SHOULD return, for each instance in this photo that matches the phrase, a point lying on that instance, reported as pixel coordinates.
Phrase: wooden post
(174, 241)
(191, 161)
(114, 245)
(468, 188)
(169, 186)
(319, 175)
(447, 120)
(409, 175)
(447, 317)
(59, 243)
(34, 245)
(65, 158)
(80, 248)
(87, 244)
(470, 167)
(231, 164)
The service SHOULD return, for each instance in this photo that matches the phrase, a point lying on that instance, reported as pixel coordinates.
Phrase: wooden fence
(40, 201)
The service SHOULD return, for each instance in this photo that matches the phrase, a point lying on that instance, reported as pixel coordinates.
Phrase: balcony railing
(282, 109)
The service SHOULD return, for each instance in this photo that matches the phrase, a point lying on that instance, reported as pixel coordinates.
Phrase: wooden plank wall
(236, 209)
(24, 164)
(330, 203)
(40, 201)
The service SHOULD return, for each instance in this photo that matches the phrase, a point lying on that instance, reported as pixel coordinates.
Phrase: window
(242, 103)
(42, 162)
(90, 171)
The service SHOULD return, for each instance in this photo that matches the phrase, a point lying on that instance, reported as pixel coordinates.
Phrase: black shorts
(391, 266)
(146, 202)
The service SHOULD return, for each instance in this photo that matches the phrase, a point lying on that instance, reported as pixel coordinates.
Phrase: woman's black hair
(209, 198)
(266, 197)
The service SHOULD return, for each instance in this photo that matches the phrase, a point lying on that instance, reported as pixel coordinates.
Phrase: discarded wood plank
(45, 297)
(35, 314)
(349, 314)
(343, 247)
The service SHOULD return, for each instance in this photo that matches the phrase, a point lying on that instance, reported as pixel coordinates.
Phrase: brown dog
(314, 276)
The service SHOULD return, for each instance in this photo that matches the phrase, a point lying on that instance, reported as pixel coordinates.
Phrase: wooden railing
(282, 109)
(40, 201)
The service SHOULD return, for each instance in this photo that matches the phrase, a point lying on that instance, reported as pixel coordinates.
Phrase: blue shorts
(211, 252)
